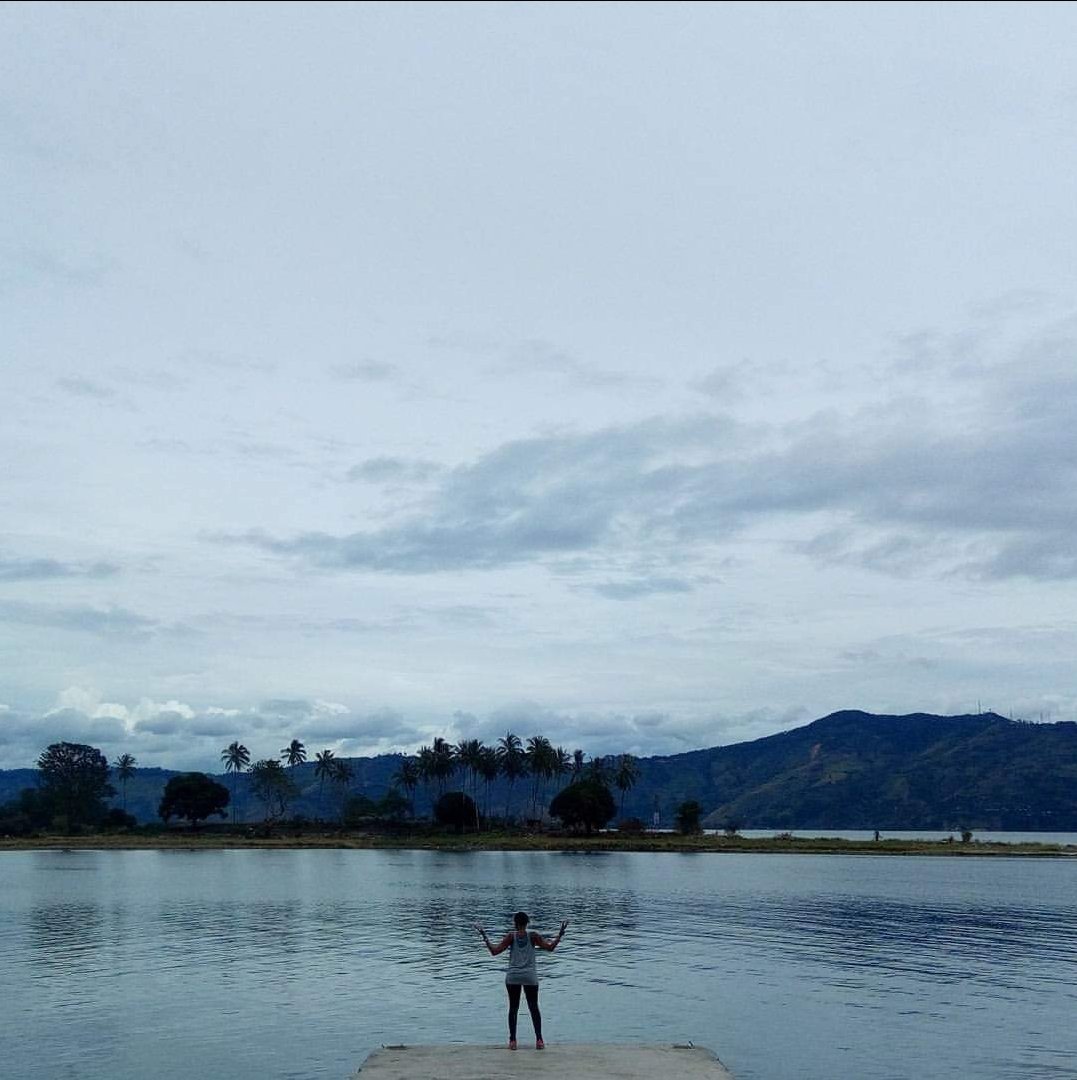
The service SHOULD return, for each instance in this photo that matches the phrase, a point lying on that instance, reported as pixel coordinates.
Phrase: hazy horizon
(651, 376)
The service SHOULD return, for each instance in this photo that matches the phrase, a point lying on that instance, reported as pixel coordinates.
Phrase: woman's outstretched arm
(549, 946)
(500, 947)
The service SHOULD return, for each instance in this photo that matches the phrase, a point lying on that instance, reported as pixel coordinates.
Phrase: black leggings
(532, 1007)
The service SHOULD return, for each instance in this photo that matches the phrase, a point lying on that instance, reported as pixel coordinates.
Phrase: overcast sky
(649, 376)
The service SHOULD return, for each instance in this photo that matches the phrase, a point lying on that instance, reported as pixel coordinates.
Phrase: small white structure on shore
(592, 1061)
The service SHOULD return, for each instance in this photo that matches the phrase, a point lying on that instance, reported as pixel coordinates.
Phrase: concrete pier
(593, 1061)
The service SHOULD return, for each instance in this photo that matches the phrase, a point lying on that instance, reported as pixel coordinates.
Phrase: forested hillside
(847, 770)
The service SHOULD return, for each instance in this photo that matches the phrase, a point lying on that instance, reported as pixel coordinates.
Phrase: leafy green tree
(273, 787)
(125, 769)
(236, 758)
(688, 817)
(74, 779)
(455, 808)
(193, 796)
(586, 804)
(118, 820)
(31, 809)
(361, 809)
(625, 777)
(358, 809)
(393, 805)
(295, 753)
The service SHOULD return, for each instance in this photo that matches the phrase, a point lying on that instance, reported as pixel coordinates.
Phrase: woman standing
(523, 972)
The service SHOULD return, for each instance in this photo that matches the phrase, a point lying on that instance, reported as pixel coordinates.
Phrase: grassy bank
(215, 840)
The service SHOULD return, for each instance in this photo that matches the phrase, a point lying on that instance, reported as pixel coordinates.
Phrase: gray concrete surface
(580, 1062)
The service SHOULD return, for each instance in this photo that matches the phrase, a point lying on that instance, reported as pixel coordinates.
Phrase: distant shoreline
(666, 842)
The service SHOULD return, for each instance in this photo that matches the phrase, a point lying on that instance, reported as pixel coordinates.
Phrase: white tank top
(522, 970)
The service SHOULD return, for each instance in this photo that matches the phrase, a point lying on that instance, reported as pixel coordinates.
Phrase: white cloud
(329, 708)
(452, 409)
(112, 711)
(904, 485)
(79, 698)
(40, 568)
(363, 371)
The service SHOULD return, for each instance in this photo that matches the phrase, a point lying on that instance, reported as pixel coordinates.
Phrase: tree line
(74, 785)
(534, 765)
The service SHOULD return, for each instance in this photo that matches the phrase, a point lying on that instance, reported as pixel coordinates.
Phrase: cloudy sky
(650, 376)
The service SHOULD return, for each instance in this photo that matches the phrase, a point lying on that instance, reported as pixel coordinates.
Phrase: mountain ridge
(849, 769)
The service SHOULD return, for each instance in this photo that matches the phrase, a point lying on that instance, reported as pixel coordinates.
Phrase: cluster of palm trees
(536, 765)
(327, 766)
(271, 776)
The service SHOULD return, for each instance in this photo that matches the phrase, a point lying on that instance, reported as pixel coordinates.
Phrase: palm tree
(342, 775)
(564, 761)
(427, 767)
(475, 755)
(513, 763)
(540, 757)
(125, 769)
(469, 755)
(444, 763)
(407, 777)
(598, 769)
(489, 768)
(236, 758)
(295, 753)
(626, 776)
(324, 769)
(550, 764)
(577, 764)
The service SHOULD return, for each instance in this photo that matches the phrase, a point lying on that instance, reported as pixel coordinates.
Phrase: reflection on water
(295, 964)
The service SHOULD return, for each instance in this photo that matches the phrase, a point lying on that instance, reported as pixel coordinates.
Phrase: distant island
(847, 770)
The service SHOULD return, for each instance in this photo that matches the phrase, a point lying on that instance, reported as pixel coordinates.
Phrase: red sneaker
(540, 1045)
(512, 1044)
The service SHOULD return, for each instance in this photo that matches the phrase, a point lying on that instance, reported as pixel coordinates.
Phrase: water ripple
(295, 964)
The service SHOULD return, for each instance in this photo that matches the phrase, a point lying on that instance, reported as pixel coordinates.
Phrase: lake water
(277, 964)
